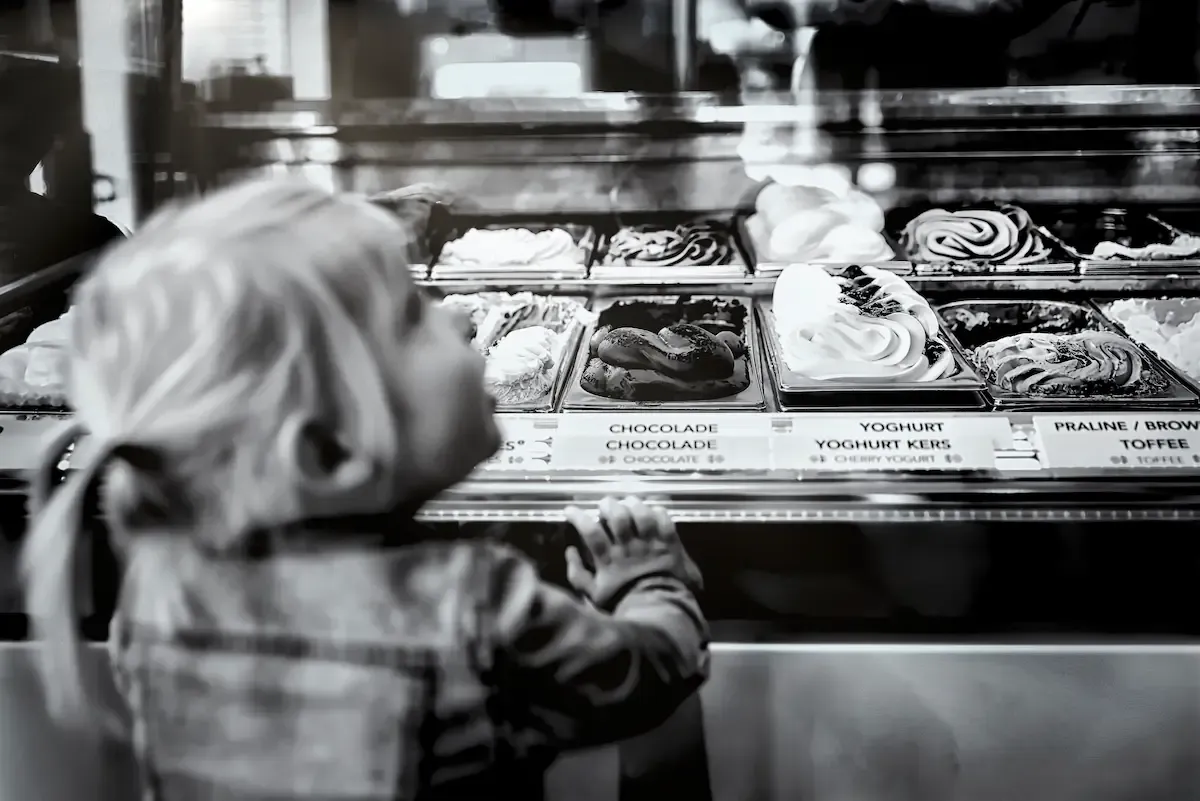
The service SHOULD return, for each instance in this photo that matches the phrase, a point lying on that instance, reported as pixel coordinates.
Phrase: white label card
(621, 443)
(864, 443)
(527, 444)
(1121, 441)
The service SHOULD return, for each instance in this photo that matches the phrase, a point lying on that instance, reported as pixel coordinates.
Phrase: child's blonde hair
(197, 349)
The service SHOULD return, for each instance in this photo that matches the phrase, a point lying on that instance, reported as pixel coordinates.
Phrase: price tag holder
(1121, 441)
(624, 443)
(866, 443)
(526, 446)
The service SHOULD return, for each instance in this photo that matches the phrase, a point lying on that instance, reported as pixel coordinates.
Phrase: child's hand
(626, 540)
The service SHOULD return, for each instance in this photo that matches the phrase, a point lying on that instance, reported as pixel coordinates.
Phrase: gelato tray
(705, 247)
(511, 250)
(1170, 327)
(979, 240)
(679, 353)
(528, 341)
(861, 338)
(1122, 240)
(33, 373)
(815, 225)
(1057, 354)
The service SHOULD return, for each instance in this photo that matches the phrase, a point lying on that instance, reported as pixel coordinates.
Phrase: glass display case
(916, 370)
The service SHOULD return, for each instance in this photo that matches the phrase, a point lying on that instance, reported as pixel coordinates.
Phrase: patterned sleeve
(573, 676)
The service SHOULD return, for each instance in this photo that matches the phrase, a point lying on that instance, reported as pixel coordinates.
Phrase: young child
(269, 399)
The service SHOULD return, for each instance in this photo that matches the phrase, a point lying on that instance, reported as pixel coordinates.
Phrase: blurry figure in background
(635, 36)
(39, 98)
(270, 400)
(908, 44)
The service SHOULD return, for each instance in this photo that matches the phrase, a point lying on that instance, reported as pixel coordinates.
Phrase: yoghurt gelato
(866, 326)
(1005, 235)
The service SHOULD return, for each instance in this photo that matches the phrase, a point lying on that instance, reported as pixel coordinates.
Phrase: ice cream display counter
(984, 308)
(942, 386)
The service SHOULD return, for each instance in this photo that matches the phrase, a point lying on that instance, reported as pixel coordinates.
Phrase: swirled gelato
(1170, 327)
(1005, 235)
(551, 250)
(704, 243)
(809, 225)
(1088, 363)
(866, 326)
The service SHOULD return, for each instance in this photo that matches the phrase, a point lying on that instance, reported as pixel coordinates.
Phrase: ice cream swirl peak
(1005, 235)
(864, 326)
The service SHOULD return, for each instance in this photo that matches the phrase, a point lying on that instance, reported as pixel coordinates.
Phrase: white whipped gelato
(41, 363)
(824, 338)
(520, 367)
(1184, 246)
(513, 247)
(817, 225)
(1169, 327)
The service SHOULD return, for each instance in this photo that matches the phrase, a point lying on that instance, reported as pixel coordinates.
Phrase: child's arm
(572, 675)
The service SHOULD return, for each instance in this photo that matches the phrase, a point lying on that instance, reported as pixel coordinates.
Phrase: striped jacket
(347, 668)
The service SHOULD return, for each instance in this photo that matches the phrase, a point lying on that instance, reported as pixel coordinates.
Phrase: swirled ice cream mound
(703, 243)
(812, 225)
(1005, 235)
(1089, 363)
(865, 326)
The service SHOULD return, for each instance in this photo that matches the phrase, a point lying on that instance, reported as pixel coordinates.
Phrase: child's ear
(325, 469)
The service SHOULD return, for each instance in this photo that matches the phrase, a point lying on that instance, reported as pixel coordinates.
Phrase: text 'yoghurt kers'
(865, 326)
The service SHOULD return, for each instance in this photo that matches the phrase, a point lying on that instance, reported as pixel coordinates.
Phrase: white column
(104, 60)
(308, 48)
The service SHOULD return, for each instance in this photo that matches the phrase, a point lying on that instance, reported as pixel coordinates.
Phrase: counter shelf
(777, 496)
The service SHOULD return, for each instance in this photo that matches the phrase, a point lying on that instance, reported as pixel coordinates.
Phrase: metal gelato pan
(652, 313)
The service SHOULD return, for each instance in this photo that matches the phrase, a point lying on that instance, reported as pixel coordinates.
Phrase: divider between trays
(1181, 395)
